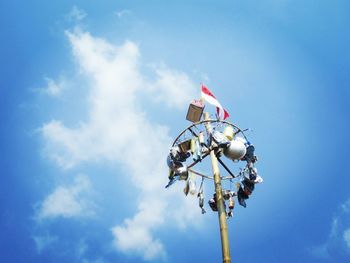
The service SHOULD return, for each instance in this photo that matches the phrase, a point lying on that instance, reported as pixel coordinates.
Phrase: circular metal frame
(205, 121)
(237, 130)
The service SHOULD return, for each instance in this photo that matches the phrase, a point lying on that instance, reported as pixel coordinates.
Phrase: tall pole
(225, 244)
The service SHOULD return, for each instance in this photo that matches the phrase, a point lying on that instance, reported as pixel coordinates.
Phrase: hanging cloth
(201, 139)
(201, 197)
(192, 183)
(231, 205)
(196, 149)
(187, 188)
(190, 186)
(193, 145)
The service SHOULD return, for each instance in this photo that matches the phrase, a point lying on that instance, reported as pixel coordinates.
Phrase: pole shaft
(225, 245)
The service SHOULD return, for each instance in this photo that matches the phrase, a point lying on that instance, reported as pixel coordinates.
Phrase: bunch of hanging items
(228, 143)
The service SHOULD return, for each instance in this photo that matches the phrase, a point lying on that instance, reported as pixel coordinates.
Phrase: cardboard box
(195, 111)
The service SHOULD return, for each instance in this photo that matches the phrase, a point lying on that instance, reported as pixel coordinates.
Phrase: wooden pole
(225, 244)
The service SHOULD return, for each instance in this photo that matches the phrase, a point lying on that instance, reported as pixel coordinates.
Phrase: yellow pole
(225, 245)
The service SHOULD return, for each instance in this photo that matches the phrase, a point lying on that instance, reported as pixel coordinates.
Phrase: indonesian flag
(211, 99)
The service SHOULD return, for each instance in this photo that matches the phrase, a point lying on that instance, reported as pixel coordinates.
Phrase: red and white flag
(211, 99)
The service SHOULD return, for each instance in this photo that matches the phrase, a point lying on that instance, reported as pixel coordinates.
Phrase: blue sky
(93, 93)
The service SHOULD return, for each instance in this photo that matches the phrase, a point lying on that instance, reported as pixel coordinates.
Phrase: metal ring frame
(238, 130)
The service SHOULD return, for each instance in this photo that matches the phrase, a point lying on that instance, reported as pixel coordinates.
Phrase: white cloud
(173, 87)
(135, 235)
(118, 130)
(82, 253)
(67, 201)
(122, 13)
(346, 206)
(338, 241)
(346, 237)
(82, 248)
(76, 14)
(55, 88)
(44, 241)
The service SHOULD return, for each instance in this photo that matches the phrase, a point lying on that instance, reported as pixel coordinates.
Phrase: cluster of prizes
(223, 140)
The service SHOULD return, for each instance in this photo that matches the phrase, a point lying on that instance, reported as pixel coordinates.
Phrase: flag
(211, 99)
